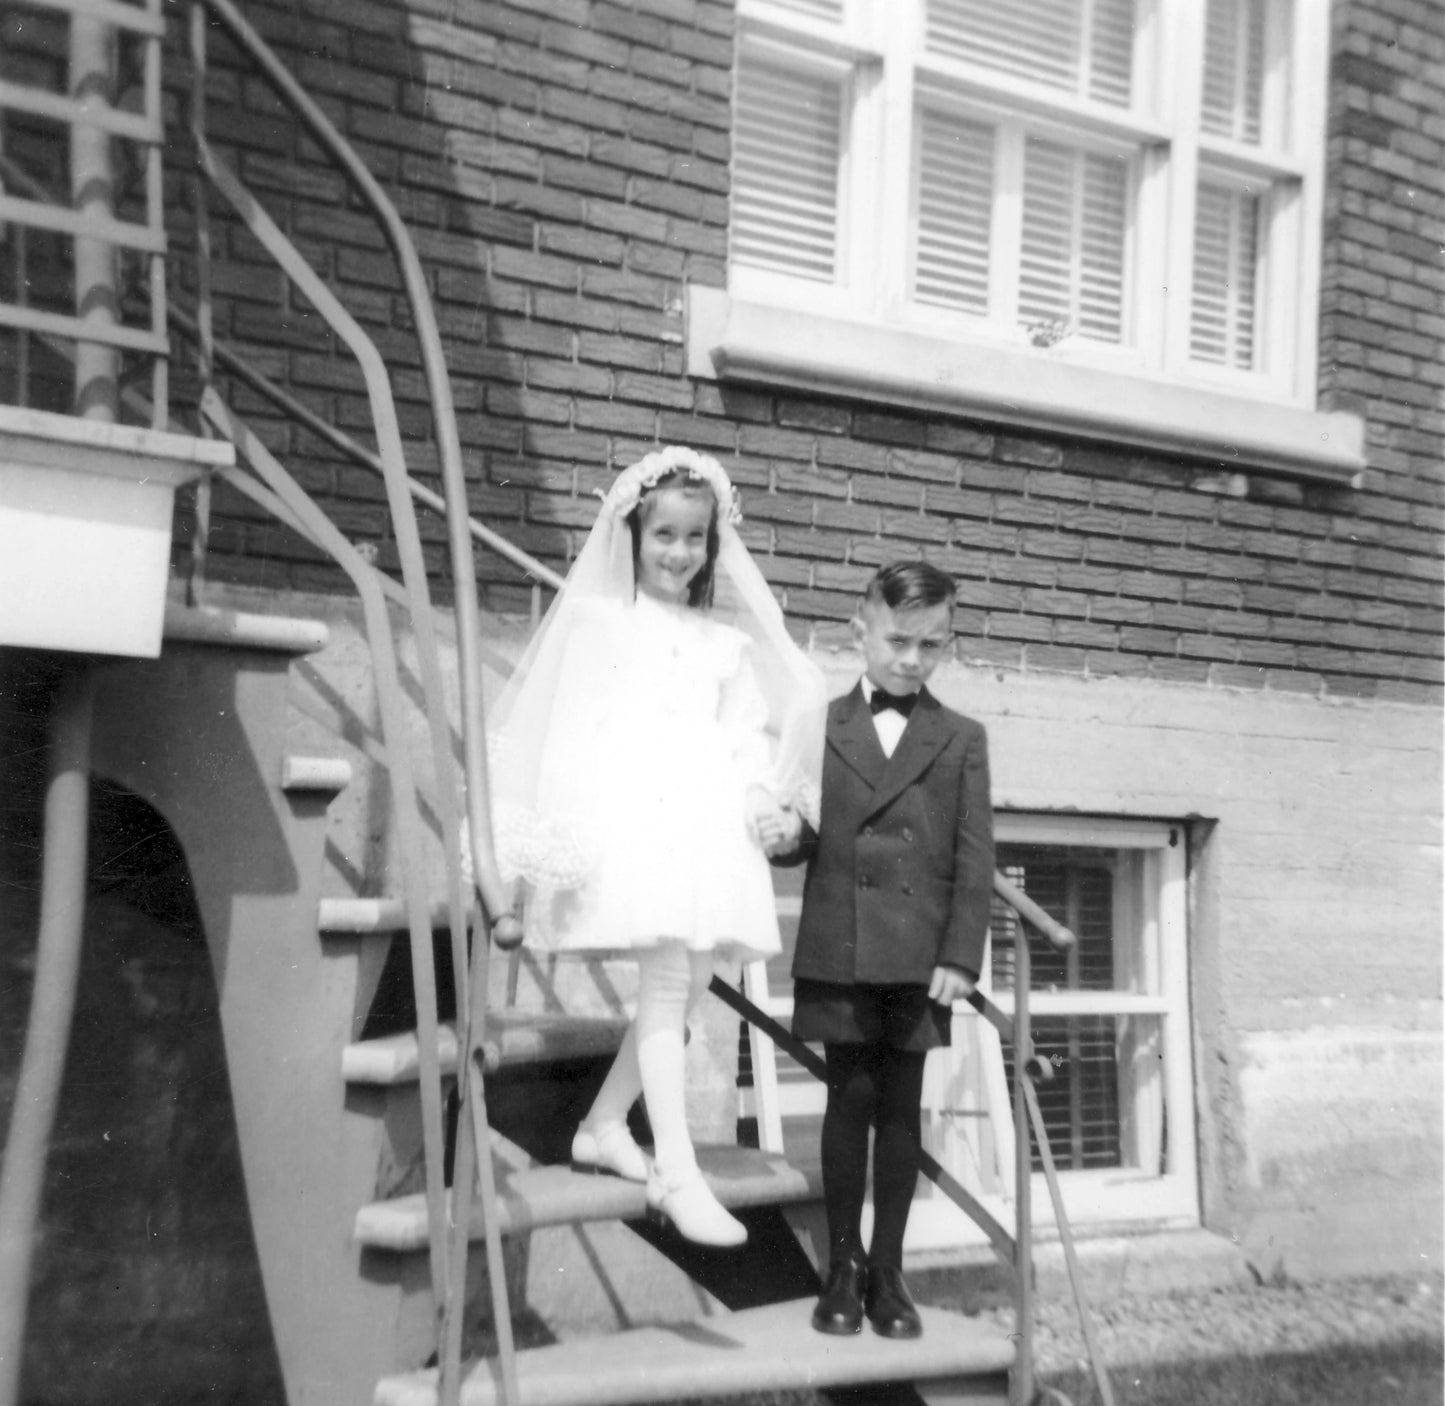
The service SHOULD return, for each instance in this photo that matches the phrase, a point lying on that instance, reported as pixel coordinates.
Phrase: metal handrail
(413, 571)
(359, 453)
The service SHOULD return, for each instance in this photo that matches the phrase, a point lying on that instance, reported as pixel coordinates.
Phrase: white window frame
(969, 1129)
(866, 336)
(967, 1105)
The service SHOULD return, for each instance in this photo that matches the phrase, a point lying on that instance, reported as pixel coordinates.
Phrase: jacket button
(907, 888)
(907, 834)
(864, 882)
(867, 832)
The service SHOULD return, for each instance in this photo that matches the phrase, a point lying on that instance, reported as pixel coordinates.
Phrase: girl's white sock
(671, 980)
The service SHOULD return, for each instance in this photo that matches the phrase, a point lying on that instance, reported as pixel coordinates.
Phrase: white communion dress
(658, 727)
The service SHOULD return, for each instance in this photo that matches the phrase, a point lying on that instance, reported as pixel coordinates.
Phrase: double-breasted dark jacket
(900, 869)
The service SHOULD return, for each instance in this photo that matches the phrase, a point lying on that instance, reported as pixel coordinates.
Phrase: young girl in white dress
(661, 736)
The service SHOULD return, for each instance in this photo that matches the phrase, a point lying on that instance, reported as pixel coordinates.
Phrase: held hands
(949, 985)
(775, 827)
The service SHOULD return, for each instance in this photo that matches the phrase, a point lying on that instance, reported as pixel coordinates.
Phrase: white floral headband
(633, 482)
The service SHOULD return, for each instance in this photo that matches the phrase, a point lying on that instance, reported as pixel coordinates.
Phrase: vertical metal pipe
(57, 971)
(92, 83)
(1023, 1377)
(205, 326)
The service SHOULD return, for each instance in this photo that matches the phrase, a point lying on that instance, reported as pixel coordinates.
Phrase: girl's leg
(623, 1085)
(852, 1096)
(895, 1152)
(671, 980)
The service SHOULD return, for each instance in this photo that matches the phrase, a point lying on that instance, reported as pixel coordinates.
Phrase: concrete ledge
(1168, 1262)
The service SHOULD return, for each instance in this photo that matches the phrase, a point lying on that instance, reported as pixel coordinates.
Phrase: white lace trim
(632, 482)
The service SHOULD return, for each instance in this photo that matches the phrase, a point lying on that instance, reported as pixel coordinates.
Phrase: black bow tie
(902, 704)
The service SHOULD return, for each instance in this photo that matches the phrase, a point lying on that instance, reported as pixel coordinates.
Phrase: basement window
(1110, 1016)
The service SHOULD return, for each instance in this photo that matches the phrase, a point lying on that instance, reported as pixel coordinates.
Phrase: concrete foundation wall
(1314, 937)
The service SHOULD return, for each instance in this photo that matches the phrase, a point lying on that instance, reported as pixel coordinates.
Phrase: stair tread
(772, 1349)
(350, 914)
(556, 1195)
(513, 1037)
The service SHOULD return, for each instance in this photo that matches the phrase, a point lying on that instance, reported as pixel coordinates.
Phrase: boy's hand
(791, 831)
(768, 821)
(949, 984)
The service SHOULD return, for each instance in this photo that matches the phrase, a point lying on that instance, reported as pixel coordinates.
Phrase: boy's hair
(700, 588)
(902, 585)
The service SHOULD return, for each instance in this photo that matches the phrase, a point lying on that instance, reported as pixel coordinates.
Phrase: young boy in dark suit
(895, 914)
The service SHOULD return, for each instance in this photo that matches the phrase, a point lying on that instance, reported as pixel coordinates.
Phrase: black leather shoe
(840, 1305)
(888, 1304)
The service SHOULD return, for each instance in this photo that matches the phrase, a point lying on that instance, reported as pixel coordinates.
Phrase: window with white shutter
(955, 194)
(1233, 94)
(1221, 328)
(1111, 1016)
(786, 148)
(1072, 257)
(1084, 49)
(1131, 189)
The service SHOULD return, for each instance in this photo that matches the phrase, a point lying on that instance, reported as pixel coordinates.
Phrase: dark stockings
(877, 1086)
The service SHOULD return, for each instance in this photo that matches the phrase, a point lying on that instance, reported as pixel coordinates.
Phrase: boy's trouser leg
(852, 1094)
(897, 1139)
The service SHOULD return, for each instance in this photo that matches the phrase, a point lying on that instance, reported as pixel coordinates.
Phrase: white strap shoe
(687, 1201)
(610, 1149)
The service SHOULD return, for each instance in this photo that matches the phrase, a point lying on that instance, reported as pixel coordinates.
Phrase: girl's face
(672, 543)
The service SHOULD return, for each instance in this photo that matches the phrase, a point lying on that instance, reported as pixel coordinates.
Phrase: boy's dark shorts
(900, 1016)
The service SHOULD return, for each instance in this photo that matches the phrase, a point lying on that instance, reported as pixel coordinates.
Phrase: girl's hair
(700, 588)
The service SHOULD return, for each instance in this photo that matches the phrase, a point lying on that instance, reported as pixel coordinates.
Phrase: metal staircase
(374, 1161)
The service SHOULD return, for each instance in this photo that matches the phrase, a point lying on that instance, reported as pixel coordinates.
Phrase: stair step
(513, 1037)
(371, 915)
(329, 775)
(771, 1349)
(530, 1198)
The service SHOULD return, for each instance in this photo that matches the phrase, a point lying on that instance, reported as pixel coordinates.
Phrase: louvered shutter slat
(1111, 52)
(955, 172)
(818, 9)
(1043, 41)
(1072, 266)
(1232, 101)
(786, 150)
(1221, 325)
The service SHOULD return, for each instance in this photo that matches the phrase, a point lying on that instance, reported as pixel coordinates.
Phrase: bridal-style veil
(543, 723)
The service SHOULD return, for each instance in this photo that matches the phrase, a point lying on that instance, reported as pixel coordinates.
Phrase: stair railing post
(92, 182)
(205, 334)
(1023, 1375)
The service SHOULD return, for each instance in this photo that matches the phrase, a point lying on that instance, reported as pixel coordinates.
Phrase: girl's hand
(791, 830)
(768, 821)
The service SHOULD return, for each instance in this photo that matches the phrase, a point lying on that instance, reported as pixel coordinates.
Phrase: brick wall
(563, 164)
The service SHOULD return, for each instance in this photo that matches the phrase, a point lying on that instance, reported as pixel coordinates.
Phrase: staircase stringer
(200, 734)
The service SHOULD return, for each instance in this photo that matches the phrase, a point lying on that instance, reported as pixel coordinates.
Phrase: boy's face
(902, 647)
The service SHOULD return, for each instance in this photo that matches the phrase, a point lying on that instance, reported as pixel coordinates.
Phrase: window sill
(730, 339)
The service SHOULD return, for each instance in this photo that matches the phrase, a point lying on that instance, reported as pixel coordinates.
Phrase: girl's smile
(672, 546)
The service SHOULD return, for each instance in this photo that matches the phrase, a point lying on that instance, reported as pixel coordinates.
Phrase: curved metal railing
(448, 1218)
